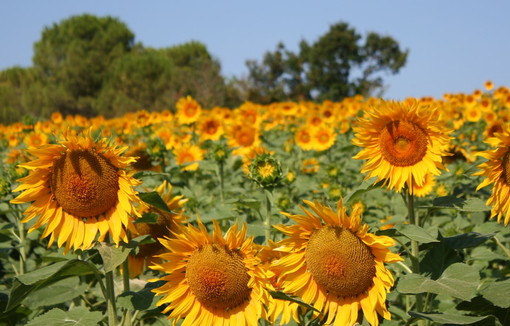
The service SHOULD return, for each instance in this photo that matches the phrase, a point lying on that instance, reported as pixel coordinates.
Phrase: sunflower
(334, 264)
(426, 188)
(403, 141)
(323, 138)
(304, 138)
(188, 155)
(166, 223)
(211, 279)
(188, 110)
(78, 188)
(497, 171)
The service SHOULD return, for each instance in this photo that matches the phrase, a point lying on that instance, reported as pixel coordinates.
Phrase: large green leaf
(59, 292)
(25, 284)
(416, 233)
(113, 256)
(467, 240)
(154, 199)
(448, 318)
(458, 280)
(79, 316)
(498, 293)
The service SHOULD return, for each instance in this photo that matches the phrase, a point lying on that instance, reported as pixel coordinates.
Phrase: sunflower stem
(110, 299)
(222, 181)
(125, 280)
(505, 250)
(22, 249)
(415, 249)
(267, 222)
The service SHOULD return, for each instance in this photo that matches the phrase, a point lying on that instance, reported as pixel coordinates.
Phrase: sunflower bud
(266, 171)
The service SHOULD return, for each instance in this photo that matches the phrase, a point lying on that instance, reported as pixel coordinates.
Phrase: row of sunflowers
(363, 211)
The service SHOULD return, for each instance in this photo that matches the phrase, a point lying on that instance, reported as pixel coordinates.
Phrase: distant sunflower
(212, 280)
(426, 188)
(402, 142)
(334, 264)
(323, 138)
(187, 156)
(304, 138)
(188, 110)
(79, 187)
(497, 171)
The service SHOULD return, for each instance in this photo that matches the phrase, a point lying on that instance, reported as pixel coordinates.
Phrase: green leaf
(284, 296)
(497, 293)
(79, 316)
(59, 292)
(416, 233)
(113, 256)
(154, 199)
(458, 280)
(448, 318)
(25, 284)
(149, 218)
(447, 202)
(467, 240)
(365, 186)
(474, 205)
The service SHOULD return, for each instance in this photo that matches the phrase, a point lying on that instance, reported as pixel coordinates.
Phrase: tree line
(91, 65)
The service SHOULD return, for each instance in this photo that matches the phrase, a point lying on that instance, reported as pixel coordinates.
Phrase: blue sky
(455, 45)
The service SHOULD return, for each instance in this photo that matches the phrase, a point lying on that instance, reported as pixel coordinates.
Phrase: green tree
(73, 57)
(142, 79)
(340, 63)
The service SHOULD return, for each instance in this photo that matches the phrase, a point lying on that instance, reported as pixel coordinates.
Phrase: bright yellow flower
(402, 142)
(79, 188)
(497, 172)
(188, 110)
(188, 156)
(334, 264)
(212, 279)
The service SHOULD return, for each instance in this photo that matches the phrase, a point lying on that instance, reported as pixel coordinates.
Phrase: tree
(73, 57)
(339, 64)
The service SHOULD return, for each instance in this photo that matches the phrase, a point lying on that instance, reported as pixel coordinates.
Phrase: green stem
(505, 250)
(222, 181)
(110, 299)
(415, 249)
(267, 222)
(125, 281)
(22, 249)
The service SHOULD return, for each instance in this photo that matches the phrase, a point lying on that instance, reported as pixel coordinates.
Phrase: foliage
(335, 66)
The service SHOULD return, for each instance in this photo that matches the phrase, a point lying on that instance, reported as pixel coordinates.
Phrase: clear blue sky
(455, 45)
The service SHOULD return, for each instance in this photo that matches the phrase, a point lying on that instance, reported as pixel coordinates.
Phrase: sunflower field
(359, 212)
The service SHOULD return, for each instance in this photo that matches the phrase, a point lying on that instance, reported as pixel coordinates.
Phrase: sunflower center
(339, 262)
(218, 277)
(190, 110)
(84, 183)
(403, 143)
(506, 168)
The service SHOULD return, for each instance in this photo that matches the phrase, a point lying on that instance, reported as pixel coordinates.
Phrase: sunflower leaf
(113, 256)
(497, 293)
(154, 199)
(149, 218)
(448, 318)
(284, 296)
(474, 205)
(416, 233)
(79, 316)
(458, 280)
(24, 285)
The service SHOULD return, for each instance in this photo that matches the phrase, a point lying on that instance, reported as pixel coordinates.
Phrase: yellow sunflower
(188, 110)
(212, 279)
(402, 142)
(78, 188)
(426, 188)
(188, 156)
(497, 171)
(304, 138)
(323, 138)
(334, 264)
(165, 224)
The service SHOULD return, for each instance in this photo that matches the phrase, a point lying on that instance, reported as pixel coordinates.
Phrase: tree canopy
(91, 65)
(340, 63)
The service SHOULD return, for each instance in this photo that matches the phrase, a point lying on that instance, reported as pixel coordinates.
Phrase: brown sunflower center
(506, 168)
(339, 262)
(84, 183)
(218, 277)
(403, 143)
